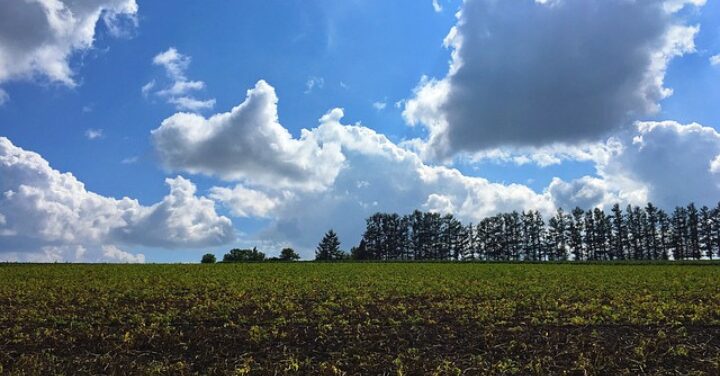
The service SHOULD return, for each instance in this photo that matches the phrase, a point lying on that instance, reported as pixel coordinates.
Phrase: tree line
(250, 255)
(635, 233)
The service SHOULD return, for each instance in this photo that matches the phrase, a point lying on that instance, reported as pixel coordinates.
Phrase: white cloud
(180, 89)
(4, 97)
(111, 252)
(244, 202)
(673, 160)
(316, 82)
(347, 172)
(191, 104)
(553, 154)
(130, 160)
(439, 204)
(146, 89)
(94, 134)
(379, 175)
(379, 105)
(518, 78)
(181, 219)
(671, 166)
(334, 175)
(586, 192)
(37, 38)
(48, 215)
(715, 60)
(715, 165)
(247, 144)
(436, 6)
(665, 162)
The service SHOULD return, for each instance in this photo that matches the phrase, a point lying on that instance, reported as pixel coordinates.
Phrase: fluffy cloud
(48, 215)
(541, 72)
(245, 202)
(673, 160)
(37, 38)
(180, 89)
(247, 144)
(361, 171)
(334, 175)
(715, 60)
(666, 162)
(381, 176)
(585, 192)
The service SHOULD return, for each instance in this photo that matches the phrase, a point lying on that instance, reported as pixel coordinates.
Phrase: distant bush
(244, 255)
(208, 258)
(289, 254)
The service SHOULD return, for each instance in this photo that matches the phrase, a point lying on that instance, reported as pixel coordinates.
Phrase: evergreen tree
(602, 228)
(619, 233)
(589, 238)
(513, 225)
(576, 234)
(679, 233)
(664, 234)
(715, 238)
(693, 236)
(360, 252)
(558, 236)
(705, 232)
(651, 232)
(329, 248)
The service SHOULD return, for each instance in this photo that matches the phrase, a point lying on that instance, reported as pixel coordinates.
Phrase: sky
(133, 131)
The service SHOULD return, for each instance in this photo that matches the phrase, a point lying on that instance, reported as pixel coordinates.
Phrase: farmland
(357, 318)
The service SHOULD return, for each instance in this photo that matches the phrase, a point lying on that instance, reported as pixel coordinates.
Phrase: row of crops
(351, 318)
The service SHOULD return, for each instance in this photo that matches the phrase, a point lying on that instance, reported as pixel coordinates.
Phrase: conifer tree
(576, 234)
(693, 236)
(705, 232)
(619, 233)
(329, 247)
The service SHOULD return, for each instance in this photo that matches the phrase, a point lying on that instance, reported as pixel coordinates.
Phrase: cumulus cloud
(247, 144)
(379, 175)
(48, 215)
(586, 192)
(245, 202)
(180, 88)
(673, 160)
(333, 175)
(37, 38)
(665, 162)
(536, 73)
(362, 171)
(181, 219)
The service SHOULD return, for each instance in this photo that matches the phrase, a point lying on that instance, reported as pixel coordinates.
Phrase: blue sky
(368, 58)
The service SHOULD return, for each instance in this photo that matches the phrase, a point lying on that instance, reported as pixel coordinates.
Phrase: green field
(351, 318)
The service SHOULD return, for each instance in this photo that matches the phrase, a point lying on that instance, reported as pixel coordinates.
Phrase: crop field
(364, 319)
